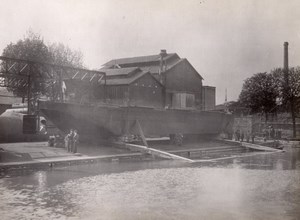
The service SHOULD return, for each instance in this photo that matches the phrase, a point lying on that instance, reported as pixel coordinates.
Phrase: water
(262, 186)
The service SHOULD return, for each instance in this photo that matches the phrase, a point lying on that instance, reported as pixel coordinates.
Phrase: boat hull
(109, 121)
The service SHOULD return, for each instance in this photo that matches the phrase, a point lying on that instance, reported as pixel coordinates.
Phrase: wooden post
(140, 130)
(61, 95)
(28, 94)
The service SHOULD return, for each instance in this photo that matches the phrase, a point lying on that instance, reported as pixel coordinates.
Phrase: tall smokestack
(286, 56)
(286, 66)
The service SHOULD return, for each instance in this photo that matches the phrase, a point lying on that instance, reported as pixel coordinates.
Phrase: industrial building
(182, 84)
(159, 81)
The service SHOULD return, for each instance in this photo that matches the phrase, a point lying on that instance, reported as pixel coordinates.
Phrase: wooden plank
(260, 147)
(250, 145)
(156, 152)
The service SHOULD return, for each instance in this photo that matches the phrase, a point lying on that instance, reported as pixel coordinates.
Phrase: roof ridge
(138, 59)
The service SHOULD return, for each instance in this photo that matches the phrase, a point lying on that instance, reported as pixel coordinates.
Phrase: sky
(226, 41)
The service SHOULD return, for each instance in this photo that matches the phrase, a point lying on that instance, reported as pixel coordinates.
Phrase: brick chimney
(163, 54)
(163, 65)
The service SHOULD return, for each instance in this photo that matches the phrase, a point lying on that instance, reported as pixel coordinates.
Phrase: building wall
(146, 91)
(208, 98)
(9, 98)
(117, 94)
(183, 81)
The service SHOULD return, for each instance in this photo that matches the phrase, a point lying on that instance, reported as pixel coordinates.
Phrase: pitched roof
(124, 80)
(154, 69)
(122, 76)
(129, 79)
(146, 63)
(137, 60)
(120, 71)
(184, 60)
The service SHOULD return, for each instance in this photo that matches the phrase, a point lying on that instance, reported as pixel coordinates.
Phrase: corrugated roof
(135, 60)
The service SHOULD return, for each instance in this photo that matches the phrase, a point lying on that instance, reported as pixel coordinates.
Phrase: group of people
(271, 133)
(71, 141)
(240, 136)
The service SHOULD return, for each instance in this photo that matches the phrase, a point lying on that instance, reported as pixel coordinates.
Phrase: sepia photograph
(149, 109)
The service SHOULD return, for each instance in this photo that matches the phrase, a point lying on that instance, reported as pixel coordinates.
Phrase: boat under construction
(150, 96)
(102, 122)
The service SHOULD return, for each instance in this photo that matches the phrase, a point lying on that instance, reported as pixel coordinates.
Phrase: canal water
(261, 186)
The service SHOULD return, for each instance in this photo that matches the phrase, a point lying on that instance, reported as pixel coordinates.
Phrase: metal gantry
(19, 73)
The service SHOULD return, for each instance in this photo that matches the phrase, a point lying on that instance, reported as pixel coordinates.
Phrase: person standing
(248, 136)
(252, 137)
(272, 133)
(75, 141)
(70, 138)
(242, 136)
(67, 142)
(237, 135)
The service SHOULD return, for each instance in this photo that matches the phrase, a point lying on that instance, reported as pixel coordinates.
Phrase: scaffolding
(20, 73)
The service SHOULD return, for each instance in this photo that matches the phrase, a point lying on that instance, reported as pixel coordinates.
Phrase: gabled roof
(122, 76)
(120, 71)
(146, 63)
(129, 79)
(138, 60)
(184, 60)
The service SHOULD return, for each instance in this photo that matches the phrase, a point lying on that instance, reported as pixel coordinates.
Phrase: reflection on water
(263, 186)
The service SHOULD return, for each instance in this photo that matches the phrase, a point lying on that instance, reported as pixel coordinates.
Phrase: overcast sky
(226, 41)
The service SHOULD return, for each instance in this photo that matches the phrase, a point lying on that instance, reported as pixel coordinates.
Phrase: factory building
(158, 81)
(123, 87)
(181, 82)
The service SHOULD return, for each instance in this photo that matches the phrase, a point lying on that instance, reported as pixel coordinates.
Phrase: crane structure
(20, 73)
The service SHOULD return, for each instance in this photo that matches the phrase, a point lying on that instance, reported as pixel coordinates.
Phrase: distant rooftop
(140, 59)
(120, 72)
(151, 63)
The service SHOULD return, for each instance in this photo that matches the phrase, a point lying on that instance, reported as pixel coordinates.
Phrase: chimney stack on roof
(163, 53)
(163, 65)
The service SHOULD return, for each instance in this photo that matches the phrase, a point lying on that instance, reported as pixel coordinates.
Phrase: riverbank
(38, 155)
